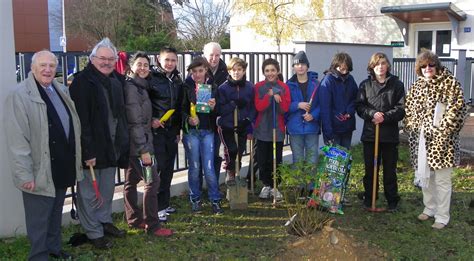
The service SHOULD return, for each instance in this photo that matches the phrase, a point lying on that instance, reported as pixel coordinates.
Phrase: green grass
(257, 233)
(401, 235)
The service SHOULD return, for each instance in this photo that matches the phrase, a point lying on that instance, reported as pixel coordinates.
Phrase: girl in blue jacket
(302, 119)
(337, 95)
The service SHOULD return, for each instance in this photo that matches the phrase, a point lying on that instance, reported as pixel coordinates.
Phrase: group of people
(59, 136)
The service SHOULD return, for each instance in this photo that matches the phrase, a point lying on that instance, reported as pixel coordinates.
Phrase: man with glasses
(98, 94)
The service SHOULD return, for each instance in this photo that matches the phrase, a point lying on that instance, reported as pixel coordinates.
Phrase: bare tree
(96, 19)
(202, 21)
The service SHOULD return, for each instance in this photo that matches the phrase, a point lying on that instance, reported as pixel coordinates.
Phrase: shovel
(252, 170)
(376, 172)
(237, 194)
(274, 154)
(98, 201)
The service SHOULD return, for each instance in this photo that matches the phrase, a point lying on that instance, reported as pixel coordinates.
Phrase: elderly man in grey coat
(43, 133)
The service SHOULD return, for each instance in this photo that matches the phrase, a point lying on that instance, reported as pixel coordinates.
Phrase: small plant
(297, 182)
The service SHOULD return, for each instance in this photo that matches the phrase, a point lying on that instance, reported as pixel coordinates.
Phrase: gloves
(343, 117)
(242, 125)
(240, 103)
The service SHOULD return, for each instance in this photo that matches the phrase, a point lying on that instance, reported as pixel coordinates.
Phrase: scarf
(422, 172)
(110, 85)
(234, 83)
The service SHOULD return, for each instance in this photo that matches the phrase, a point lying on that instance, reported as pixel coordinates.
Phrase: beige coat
(28, 138)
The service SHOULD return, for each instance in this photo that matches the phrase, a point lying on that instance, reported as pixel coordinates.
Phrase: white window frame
(433, 27)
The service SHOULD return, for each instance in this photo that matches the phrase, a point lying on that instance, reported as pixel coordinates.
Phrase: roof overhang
(424, 13)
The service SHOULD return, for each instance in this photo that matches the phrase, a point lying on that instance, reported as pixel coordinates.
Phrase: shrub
(295, 186)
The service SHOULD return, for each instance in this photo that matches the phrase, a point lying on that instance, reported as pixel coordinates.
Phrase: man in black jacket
(217, 68)
(98, 94)
(166, 92)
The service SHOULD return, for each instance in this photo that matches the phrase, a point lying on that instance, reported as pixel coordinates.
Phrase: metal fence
(469, 80)
(73, 62)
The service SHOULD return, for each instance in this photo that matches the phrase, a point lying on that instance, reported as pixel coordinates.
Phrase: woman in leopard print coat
(435, 90)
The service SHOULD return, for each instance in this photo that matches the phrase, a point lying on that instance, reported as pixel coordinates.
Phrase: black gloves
(240, 103)
(242, 125)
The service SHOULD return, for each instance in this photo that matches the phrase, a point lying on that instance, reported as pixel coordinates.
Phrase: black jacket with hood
(388, 98)
(166, 93)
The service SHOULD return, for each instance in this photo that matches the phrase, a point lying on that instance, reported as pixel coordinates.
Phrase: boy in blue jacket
(235, 94)
(337, 95)
(302, 119)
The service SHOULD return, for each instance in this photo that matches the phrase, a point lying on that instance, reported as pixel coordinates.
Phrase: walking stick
(252, 171)
(376, 171)
(236, 137)
(274, 153)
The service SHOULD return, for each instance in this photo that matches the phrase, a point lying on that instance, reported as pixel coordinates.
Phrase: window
(436, 41)
(443, 43)
(425, 40)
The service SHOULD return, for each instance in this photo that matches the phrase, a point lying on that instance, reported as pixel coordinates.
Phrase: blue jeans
(305, 147)
(199, 146)
(343, 139)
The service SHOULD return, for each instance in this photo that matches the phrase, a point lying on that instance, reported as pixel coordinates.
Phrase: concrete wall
(320, 56)
(11, 204)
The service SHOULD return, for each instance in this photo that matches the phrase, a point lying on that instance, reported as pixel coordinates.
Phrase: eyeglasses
(105, 59)
(432, 65)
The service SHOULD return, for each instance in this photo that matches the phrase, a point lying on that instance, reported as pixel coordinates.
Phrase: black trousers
(230, 147)
(166, 147)
(265, 160)
(388, 157)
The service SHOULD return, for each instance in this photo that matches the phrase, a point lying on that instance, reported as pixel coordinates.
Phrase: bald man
(43, 133)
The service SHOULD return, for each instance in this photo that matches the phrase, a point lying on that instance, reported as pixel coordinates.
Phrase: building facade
(38, 25)
(443, 27)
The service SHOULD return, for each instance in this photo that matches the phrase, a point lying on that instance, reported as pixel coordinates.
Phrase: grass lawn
(258, 233)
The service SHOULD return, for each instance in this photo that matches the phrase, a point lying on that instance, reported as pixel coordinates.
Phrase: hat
(300, 57)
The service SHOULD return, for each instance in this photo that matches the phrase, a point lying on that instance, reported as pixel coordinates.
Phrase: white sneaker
(275, 193)
(162, 216)
(170, 210)
(265, 193)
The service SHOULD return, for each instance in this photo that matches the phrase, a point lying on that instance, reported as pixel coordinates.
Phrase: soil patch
(330, 244)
